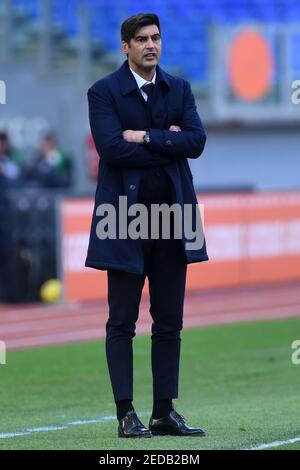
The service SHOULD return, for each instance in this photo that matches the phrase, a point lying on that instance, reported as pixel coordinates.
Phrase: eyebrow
(143, 37)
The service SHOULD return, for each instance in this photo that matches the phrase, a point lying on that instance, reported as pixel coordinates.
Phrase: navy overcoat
(115, 105)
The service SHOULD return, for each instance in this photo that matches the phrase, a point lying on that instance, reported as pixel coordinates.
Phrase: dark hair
(130, 26)
(49, 136)
(3, 136)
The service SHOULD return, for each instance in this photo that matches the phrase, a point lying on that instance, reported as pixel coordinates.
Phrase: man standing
(145, 125)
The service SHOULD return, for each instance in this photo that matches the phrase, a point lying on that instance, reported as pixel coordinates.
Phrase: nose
(150, 44)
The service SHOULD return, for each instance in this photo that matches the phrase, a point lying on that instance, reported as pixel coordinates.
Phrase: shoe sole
(136, 437)
(158, 433)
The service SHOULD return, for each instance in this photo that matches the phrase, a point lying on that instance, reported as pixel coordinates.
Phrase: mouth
(150, 56)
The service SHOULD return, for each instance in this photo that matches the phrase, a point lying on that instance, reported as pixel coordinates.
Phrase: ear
(124, 47)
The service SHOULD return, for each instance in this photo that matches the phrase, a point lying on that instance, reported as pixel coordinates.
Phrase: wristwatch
(146, 138)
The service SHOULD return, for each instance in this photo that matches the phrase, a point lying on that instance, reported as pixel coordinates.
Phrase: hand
(134, 136)
(174, 128)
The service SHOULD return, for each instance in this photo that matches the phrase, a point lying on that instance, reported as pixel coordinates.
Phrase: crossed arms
(122, 148)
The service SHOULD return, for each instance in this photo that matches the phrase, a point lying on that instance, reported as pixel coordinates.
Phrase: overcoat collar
(128, 82)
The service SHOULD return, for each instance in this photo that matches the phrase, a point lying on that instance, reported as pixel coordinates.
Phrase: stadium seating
(183, 22)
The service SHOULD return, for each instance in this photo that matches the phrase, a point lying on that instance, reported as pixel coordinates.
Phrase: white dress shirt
(141, 82)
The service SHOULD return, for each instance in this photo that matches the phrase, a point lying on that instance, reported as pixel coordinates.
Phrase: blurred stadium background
(241, 57)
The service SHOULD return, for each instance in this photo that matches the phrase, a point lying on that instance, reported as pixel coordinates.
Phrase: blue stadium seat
(106, 17)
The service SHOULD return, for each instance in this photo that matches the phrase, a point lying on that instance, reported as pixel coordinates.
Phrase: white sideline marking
(27, 432)
(274, 444)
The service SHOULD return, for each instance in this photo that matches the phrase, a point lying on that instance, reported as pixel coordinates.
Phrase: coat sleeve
(190, 141)
(107, 131)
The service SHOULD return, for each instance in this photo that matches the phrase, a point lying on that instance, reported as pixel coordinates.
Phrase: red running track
(38, 325)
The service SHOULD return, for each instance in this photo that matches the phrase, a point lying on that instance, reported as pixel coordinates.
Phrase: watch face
(147, 138)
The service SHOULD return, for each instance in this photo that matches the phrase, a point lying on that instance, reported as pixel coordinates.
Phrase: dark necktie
(155, 185)
(148, 89)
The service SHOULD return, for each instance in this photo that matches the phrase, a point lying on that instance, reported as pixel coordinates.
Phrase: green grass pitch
(237, 382)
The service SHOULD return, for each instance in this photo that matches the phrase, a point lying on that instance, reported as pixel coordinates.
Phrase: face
(144, 49)
(4, 146)
(47, 145)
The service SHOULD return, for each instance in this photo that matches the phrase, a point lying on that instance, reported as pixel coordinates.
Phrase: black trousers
(165, 267)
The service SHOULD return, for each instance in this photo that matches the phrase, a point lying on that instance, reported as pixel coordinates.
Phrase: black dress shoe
(131, 426)
(173, 424)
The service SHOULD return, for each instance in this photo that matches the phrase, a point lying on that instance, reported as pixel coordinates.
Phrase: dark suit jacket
(116, 104)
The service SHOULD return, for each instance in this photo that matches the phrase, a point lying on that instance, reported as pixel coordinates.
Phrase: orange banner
(250, 238)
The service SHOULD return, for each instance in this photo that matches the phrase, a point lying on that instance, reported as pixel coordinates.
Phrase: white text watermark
(296, 354)
(296, 94)
(164, 220)
(2, 353)
(2, 92)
